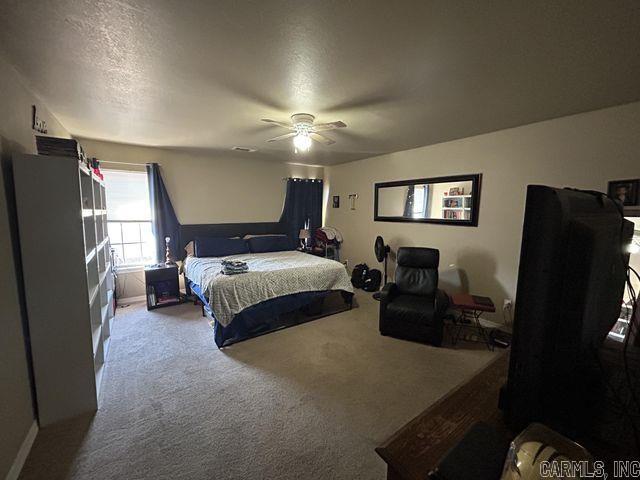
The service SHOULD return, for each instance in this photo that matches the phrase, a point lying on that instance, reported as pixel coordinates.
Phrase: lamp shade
(304, 233)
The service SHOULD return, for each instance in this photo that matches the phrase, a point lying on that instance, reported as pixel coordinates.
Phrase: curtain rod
(298, 178)
(126, 163)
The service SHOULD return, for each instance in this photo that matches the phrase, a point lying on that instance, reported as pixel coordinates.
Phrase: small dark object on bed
(234, 268)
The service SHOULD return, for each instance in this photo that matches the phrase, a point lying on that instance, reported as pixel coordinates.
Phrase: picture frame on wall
(336, 201)
(626, 191)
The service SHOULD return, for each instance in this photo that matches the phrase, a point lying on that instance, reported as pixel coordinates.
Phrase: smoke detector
(244, 149)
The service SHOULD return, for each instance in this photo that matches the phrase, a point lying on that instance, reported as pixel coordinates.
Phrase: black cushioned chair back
(417, 270)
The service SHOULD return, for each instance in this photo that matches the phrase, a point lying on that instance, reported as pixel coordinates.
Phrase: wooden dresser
(414, 450)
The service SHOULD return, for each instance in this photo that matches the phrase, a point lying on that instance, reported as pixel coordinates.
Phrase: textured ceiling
(201, 74)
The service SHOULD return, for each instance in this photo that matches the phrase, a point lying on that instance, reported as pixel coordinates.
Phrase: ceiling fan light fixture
(302, 142)
(304, 131)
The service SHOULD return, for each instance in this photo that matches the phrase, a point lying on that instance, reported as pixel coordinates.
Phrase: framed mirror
(451, 200)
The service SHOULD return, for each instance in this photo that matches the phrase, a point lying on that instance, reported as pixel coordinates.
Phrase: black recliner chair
(413, 307)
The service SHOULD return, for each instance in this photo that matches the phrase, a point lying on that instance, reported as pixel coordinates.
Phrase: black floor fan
(382, 252)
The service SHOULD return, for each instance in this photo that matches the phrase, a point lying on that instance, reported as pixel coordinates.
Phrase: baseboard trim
(140, 298)
(23, 453)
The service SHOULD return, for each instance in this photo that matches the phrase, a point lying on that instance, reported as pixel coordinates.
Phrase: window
(129, 218)
(420, 197)
(621, 329)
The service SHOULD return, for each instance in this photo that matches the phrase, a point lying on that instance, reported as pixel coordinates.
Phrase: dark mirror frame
(476, 182)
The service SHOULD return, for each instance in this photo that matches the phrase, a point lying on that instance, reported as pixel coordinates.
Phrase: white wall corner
(23, 452)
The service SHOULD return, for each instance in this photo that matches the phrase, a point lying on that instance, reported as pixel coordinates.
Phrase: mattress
(271, 275)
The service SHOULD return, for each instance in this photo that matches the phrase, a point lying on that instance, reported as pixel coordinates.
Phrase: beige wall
(206, 188)
(392, 201)
(582, 151)
(16, 136)
(211, 188)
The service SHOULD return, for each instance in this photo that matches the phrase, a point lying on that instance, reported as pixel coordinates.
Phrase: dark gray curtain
(427, 200)
(302, 204)
(408, 204)
(164, 221)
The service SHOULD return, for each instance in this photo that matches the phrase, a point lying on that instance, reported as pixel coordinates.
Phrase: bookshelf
(68, 279)
(457, 207)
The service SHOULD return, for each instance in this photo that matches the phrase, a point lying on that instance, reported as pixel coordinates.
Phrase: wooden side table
(162, 286)
(417, 448)
(471, 307)
(330, 251)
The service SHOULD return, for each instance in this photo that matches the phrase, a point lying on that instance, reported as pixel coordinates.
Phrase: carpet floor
(308, 402)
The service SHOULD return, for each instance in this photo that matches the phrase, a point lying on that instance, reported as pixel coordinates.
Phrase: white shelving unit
(68, 281)
(462, 210)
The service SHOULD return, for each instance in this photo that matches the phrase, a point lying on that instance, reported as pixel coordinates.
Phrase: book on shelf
(167, 299)
(151, 296)
(161, 293)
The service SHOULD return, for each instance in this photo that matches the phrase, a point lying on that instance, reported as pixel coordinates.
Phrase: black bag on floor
(373, 280)
(359, 275)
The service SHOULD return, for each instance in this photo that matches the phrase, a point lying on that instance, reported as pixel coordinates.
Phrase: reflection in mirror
(446, 200)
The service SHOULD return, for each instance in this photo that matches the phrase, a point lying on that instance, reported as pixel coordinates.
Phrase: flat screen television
(571, 282)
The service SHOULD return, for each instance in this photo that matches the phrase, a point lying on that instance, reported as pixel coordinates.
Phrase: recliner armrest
(388, 291)
(386, 296)
(441, 302)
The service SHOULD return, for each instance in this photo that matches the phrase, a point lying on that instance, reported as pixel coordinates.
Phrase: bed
(281, 288)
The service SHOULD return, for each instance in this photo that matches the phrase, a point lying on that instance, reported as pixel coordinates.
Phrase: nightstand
(330, 252)
(162, 286)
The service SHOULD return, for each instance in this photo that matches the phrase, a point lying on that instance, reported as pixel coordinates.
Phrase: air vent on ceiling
(244, 149)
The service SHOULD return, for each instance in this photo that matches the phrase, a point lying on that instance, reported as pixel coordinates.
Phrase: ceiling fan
(304, 131)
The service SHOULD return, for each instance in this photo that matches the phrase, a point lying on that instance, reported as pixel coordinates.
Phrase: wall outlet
(508, 303)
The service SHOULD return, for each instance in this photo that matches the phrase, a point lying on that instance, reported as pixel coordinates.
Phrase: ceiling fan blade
(321, 138)
(276, 122)
(320, 127)
(282, 137)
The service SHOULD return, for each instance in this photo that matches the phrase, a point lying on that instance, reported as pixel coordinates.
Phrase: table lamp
(168, 259)
(305, 233)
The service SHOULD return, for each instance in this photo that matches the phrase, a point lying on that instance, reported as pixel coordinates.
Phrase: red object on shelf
(462, 301)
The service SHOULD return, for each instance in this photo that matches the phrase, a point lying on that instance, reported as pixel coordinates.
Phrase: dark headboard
(190, 232)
